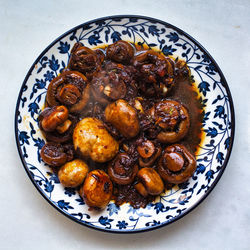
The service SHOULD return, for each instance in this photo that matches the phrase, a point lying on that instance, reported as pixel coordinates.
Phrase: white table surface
(222, 221)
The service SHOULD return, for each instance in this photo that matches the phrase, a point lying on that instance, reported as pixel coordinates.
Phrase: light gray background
(222, 221)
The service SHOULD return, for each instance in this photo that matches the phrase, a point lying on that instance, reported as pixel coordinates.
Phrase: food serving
(200, 86)
(122, 122)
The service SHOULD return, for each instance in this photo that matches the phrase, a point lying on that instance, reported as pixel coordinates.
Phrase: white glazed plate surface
(218, 123)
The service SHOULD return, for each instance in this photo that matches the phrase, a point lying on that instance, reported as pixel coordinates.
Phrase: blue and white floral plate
(218, 123)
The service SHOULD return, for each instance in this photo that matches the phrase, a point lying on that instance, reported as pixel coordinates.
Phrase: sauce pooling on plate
(129, 115)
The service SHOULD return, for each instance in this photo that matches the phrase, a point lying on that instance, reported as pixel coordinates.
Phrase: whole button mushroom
(173, 120)
(148, 152)
(120, 51)
(150, 182)
(73, 173)
(97, 189)
(177, 164)
(53, 117)
(57, 124)
(123, 169)
(92, 140)
(123, 117)
(53, 154)
(85, 60)
(70, 88)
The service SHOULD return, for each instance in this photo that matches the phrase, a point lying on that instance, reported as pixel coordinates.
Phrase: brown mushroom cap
(148, 153)
(97, 189)
(174, 161)
(71, 89)
(146, 149)
(122, 170)
(53, 154)
(177, 164)
(123, 117)
(73, 173)
(151, 180)
(85, 60)
(51, 118)
(173, 119)
(120, 51)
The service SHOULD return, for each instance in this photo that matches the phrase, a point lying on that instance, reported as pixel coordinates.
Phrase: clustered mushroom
(148, 152)
(177, 164)
(156, 73)
(108, 109)
(123, 169)
(173, 120)
(71, 88)
(97, 189)
(85, 60)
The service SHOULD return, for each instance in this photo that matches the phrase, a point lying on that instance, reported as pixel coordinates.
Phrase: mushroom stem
(54, 117)
(62, 128)
(141, 189)
(151, 181)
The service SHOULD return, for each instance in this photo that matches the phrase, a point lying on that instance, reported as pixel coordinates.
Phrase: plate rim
(223, 167)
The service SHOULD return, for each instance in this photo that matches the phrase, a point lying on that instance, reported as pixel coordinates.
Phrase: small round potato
(93, 141)
(73, 173)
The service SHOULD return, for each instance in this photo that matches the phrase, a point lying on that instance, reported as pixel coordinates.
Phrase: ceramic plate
(218, 123)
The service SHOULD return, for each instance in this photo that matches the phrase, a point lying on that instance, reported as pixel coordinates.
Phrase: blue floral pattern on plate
(218, 123)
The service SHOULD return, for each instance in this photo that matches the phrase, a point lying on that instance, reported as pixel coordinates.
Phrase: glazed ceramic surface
(218, 123)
